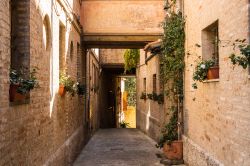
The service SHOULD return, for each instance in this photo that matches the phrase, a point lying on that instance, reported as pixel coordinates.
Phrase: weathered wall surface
(94, 91)
(216, 115)
(150, 116)
(122, 16)
(112, 56)
(49, 129)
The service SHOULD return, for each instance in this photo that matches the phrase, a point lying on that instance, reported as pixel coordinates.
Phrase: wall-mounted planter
(174, 150)
(14, 95)
(213, 73)
(62, 90)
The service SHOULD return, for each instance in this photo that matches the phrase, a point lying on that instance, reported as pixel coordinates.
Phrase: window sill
(212, 80)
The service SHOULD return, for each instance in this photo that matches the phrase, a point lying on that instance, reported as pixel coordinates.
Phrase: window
(20, 36)
(79, 61)
(46, 33)
(144, 85)
(71, 50)
(154, 83)
(62, 32)
(210, 43)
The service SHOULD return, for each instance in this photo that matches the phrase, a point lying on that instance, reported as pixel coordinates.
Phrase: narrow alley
(124, 82)
(123, 147)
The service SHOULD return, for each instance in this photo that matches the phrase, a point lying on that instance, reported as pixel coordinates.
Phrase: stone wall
(216, 115)
(49, 129)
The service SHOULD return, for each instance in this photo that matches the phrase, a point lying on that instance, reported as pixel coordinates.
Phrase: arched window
(46, 33)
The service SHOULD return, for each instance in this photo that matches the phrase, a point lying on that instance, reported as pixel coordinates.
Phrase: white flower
(203, 66)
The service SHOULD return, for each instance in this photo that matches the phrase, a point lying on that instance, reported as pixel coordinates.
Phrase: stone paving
(119, 147)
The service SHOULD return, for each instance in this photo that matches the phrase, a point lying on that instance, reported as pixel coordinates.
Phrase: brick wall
(216, 115)
(49, 129)
(150, 115)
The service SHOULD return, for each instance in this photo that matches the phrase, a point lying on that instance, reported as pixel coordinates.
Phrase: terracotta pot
(174, 150)
(62, 90)
(213, 73)
(14, 95)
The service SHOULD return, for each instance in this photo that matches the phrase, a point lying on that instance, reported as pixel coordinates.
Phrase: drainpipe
(249, 22)
(51, 56)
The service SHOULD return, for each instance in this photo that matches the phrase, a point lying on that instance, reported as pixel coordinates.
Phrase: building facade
(216, 115)
(45, 129)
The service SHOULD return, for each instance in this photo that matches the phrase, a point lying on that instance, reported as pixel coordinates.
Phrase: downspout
(51, 56)
(249, 22)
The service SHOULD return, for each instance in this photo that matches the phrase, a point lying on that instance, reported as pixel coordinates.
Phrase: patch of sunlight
(148, 116)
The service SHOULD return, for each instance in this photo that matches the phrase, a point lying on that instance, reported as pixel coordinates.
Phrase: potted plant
(205, 70)
(154, 96)
(172, 147)
(160, 98)
(20, 86)
(123, 124)
(150, 96)
(143, 96)
(66, 85)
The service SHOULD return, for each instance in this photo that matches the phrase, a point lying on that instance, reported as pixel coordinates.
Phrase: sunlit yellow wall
(129, 112)
(130, 116)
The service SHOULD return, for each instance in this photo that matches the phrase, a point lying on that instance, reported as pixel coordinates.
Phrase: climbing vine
(172, 69)
(243, 59)
(131, 58)
(172, 59)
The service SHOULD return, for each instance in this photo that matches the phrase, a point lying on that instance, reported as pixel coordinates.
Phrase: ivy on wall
(131, 58)
(172, 58)
(172, 69)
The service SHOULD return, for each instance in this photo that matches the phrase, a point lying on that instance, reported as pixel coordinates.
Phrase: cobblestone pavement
(119, 147)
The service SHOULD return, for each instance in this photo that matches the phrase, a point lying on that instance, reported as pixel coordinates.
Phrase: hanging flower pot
(213, 73)
(14, 95)
(173, 150)
(62, 90)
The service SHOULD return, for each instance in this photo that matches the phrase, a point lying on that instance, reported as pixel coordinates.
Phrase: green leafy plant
(170, 131)
(123, 124)
(68, 83)
(143, 96)
(131, 58)
(24, 84)
(244, 58)
(172, 57)
(172, 68)
(150, 96)
(154, 96)
(160, 98)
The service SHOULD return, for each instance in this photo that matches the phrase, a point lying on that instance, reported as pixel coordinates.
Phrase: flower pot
(213, 73)
(14, 95)
(62, 90)
(174, 150)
